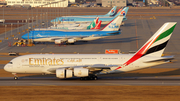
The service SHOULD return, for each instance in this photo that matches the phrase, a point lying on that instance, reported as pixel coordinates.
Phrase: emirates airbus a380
(89, 66)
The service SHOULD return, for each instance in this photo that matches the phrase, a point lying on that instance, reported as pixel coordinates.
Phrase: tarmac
(102, 81)
(133, 35)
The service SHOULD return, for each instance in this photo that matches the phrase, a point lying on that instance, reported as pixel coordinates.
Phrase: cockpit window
(10, 63)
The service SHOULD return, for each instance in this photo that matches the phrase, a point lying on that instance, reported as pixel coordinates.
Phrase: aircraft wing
(93, 68)
(60, 38)
(66, 38)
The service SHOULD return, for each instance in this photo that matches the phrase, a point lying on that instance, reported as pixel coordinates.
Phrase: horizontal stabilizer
(164, 58)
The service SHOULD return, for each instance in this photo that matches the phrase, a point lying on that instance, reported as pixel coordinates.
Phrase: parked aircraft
(89, 66)
(80, 19)
(71, 36)
(75, 26)
(110, 13)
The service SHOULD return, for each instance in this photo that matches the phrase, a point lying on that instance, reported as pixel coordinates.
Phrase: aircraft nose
(7, 68)
(24, 36)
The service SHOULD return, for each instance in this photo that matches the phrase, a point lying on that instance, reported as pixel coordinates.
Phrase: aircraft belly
(43, 40)
(138, 65)
(90, 38)
(71, 22)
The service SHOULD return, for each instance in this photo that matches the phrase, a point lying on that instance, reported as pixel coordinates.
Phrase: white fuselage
(41, 63)
(90, 38)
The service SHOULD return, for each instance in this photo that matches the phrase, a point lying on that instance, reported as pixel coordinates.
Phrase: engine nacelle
(81, 72)
(58, 41)
(71, 40)
(62, 73)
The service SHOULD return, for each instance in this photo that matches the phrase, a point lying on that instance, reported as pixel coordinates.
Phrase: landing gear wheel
(82, 78)
(89, 78)
(95, 78)
(15, 78)
(122, 24)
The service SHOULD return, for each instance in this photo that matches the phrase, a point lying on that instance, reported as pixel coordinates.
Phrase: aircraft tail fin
(97, 25)
(93, 23)
(122, 12)
(112, 11)
(114, 25)
(155, 45)
(117, 11)
(96, 20)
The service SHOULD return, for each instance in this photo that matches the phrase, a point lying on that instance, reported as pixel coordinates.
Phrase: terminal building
(110, 3)
(38, 3)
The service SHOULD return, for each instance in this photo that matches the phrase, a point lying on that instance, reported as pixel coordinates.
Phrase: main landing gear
(15, 76)
(89, 78)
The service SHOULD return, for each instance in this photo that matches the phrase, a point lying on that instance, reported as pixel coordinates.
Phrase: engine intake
(71, 40)
(62, 73)
(81, 72)
(78, 72)
(58, 41)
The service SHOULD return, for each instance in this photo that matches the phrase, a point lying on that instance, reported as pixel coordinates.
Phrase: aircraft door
(18, 64)
(99, 59)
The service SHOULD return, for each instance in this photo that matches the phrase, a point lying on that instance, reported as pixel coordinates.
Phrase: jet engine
(78, 72)
(58, 41)
(71, 40)
(62, 73)
(81, 72)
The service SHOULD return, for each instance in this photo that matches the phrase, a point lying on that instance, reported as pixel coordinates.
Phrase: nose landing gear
(15, 76)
